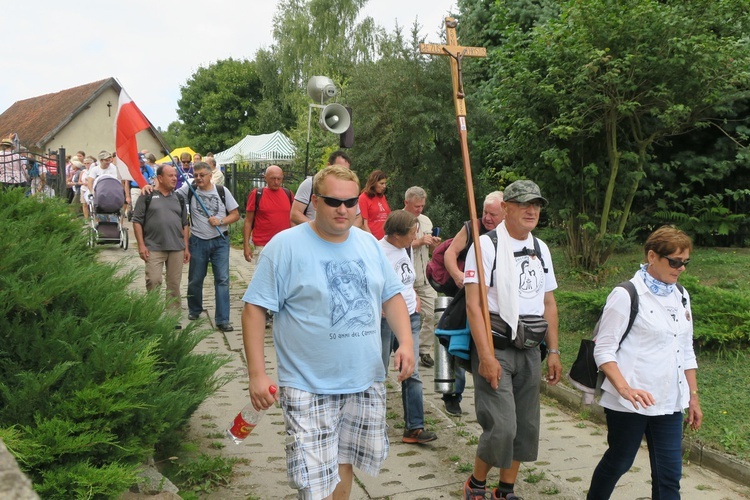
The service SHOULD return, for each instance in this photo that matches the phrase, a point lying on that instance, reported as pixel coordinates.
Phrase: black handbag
(584, 369)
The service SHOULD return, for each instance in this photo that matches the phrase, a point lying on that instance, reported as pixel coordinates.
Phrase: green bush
(722, 317)
(93, 377)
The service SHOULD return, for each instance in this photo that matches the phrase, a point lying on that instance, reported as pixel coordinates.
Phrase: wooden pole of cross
(456, 53)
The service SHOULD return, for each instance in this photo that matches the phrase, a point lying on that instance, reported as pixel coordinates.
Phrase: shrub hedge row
(94, 379)
(722, 317)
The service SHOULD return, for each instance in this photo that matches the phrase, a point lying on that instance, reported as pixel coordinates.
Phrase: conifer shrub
(94, 378)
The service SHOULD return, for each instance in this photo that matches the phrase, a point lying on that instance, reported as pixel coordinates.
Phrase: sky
(152, 47)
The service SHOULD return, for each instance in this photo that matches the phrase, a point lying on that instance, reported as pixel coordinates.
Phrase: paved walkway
(569, 450)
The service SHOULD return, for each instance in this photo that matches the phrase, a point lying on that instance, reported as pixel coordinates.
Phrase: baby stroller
(105, 209)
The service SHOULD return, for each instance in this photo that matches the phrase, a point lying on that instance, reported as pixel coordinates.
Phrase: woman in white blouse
(651, 383)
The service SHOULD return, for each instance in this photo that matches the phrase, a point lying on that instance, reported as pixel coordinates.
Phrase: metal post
(61, 174)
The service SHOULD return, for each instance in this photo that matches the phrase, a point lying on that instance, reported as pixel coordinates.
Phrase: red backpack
(436, 273)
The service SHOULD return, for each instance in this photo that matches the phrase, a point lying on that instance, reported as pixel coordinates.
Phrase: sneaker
(477, 493)
(453, 406)
(418, 436)
(511, 496)
(426, 360)
(193, 317)
(226, 327)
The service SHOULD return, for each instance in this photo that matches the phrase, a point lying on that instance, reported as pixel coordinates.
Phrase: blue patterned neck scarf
(657, 287)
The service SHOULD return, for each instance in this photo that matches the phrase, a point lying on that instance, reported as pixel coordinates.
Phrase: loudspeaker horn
(321, 88)
(334, 118)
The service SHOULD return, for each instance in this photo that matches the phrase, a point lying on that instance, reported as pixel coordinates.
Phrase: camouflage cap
(522, 191)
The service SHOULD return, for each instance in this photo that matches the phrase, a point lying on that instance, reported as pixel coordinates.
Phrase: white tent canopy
(266, 148)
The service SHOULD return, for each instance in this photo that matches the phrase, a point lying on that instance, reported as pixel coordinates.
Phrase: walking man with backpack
(160, 224)
(507, 369)
(445, 273)
(266, 213)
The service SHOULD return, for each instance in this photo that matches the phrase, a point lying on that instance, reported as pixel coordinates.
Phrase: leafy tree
(405, 123)
(175, 135)
(218, 104)
(582, 100)
(321, 37)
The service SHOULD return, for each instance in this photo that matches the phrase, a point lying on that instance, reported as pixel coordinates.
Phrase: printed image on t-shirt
(530, 276)
(405, 272)
(347, 284)
(211, 201)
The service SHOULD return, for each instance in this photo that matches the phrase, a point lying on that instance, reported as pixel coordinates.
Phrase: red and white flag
(128, 122)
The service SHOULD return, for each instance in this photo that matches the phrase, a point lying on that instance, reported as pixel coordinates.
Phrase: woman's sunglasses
(335, 202)
(676, 263)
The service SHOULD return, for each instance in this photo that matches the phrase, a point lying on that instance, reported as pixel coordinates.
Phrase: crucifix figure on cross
(456, 53)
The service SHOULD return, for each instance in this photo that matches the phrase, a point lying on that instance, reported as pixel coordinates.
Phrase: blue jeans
(411, 388)
(215, 251)
(624, 434)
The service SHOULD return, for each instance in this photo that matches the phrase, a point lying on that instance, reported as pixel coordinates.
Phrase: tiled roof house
(79, 118)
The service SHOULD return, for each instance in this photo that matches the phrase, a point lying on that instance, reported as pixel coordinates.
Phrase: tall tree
(218, 104)
(583, 99)
(405, 124)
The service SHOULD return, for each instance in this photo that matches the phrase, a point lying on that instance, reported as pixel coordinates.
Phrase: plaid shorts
(324, 430)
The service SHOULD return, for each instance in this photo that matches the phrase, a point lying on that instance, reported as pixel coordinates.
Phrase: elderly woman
(651, 382)
(400, 228)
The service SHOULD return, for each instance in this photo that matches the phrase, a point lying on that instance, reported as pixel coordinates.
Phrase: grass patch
(465, 467)
(718, 280)
(205, 473)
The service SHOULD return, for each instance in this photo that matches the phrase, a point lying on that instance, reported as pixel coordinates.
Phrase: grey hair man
(507, 369)
(424, 243)
(217, 177)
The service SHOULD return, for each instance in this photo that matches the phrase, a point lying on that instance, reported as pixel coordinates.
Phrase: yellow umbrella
(176, 154)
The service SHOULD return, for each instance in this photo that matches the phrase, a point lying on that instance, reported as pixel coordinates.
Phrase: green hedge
(722, 317)
(94, 378)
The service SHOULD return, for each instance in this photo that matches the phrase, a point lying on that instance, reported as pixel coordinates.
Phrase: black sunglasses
(676, 263)
(335, 202)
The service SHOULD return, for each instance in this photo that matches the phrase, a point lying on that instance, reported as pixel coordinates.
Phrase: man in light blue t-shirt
(326, 284)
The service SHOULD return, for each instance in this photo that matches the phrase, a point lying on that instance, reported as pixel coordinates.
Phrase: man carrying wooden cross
(507, 320)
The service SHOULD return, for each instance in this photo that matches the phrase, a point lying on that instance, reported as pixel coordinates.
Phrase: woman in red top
(373, 205)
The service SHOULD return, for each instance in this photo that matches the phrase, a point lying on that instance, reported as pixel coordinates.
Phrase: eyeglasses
(676, 263)
(201, 176)
(335, 202)
(538, 205)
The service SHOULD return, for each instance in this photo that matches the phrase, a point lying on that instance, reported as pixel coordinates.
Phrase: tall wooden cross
(456, 53)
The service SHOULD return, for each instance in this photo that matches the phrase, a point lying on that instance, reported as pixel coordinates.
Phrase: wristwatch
(221, 221)
(553, 351)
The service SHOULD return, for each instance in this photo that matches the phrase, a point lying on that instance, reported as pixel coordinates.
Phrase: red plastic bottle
(246, 420)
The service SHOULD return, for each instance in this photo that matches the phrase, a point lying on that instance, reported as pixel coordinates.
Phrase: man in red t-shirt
(269, 215)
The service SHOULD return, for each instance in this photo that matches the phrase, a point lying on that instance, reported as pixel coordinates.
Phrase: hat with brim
(76, 163)
(104, 154)
(523, 191)
(6, 142)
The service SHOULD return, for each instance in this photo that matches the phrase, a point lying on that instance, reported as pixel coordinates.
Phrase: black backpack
(583, 372)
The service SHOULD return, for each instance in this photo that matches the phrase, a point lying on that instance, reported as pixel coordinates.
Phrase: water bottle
(445, 377)
(246, 420)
